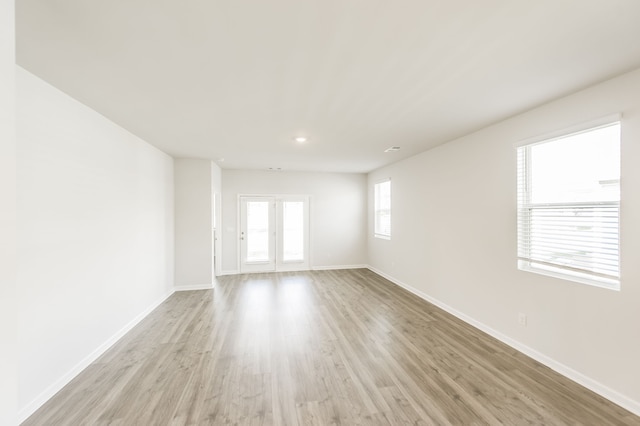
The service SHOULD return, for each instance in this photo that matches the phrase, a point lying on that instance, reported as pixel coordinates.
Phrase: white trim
(231, 272)
(272, 272)
(26, 411)
(591, 258)
(278, 265)
(567, 131)
(194, 287)
(376, 203)
(336, 267)
(312, 268)
(560, 273)
(293, 269)
(597, 387)
(268, 265)
(382, 180)
(293, 265)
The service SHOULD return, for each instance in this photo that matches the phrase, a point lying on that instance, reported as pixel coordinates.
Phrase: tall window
(382, 201)
(569, 206)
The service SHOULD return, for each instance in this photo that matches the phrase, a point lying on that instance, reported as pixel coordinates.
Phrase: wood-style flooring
(316, 348)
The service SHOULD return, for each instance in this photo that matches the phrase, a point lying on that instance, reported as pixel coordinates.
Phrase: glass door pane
(292, 228)
(293, 231)
(257, 234)
(257, 231)
(274, 233)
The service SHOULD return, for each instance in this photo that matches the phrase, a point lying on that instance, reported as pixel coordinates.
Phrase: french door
(274, 233)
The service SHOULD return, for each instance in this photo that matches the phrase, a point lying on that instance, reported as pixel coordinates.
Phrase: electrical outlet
(522, 319)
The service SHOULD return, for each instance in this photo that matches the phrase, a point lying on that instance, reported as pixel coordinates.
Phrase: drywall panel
(337, 209)
(95, 235)
(8, 306)
(194, 223)
(454, 241)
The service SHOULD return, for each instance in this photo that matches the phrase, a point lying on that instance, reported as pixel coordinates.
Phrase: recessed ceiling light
(392, 149)
(300, 139)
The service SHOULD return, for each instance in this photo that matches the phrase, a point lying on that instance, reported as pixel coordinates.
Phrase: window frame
(377, 232)
(525, 209)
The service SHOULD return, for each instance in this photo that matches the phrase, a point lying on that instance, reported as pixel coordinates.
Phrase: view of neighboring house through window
(569, 206)
(382, 218)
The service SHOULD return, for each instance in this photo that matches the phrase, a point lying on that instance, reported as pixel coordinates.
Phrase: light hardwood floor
(316, 348)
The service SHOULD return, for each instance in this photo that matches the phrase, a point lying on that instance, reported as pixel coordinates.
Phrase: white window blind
(382, 209)
(569, 206)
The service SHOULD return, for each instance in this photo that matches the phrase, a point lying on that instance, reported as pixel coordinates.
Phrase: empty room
(320, 212)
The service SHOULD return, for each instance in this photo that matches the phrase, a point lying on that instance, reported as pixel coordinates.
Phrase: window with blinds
(569, 206)
(382, 209)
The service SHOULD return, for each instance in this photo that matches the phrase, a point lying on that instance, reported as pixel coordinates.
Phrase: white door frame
(268, 265)
(276, 262)
(292, 265)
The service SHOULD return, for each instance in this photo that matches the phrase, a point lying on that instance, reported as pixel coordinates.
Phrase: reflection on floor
(316, 348)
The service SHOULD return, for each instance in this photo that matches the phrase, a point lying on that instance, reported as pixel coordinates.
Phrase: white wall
(337, 208)
(454, 241)
(196, 183)
(95, 235)
(8, 310)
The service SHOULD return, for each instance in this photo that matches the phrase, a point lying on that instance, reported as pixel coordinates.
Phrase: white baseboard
(312, 268)
(336, 267)
(194, 287)
(589, 383)
(40, 400)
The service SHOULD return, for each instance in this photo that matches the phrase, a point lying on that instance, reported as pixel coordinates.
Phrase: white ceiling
(238, 79)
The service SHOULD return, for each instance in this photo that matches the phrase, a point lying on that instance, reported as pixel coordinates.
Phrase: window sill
(382, 237)
(569, 276)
